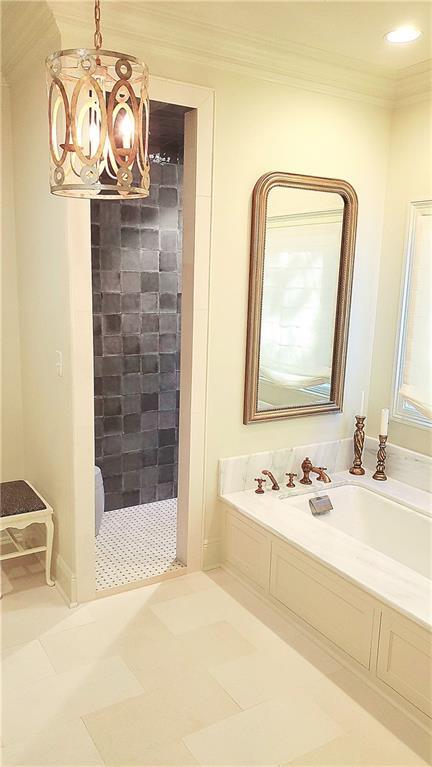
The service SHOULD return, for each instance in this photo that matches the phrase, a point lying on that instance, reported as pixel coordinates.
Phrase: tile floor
(194, 670)
(136, 543)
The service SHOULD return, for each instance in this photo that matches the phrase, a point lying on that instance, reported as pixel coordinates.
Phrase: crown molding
(29, 33)
(32, 25)
(168, 34)
(414, 84)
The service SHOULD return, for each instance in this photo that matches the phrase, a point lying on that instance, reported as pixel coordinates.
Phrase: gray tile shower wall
(136, 263)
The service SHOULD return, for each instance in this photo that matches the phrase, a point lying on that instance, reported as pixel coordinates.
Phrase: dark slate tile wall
(136, 261)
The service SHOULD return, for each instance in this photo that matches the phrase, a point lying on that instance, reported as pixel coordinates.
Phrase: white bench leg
(48, 553)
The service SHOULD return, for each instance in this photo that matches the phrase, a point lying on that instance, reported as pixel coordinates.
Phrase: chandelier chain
(97, 35)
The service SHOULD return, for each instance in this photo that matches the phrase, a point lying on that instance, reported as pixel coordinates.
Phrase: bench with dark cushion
(22, 506)
(17, 498)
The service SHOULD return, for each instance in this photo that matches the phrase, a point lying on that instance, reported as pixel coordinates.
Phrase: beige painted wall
(259, 127)
(409, 178)
(12, 456)
(262, 127)
(44, 307)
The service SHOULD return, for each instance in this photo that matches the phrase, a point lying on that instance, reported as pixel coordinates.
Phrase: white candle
(384, 421)
(126, 129)
(362, 406)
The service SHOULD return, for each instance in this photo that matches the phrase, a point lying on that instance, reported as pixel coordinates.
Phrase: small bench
(20, 506)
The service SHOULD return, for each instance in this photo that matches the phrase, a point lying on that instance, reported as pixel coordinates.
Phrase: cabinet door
(338, 610)
(405, 659)
(247, 549)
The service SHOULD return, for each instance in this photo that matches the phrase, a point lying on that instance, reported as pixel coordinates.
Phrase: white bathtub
(377, 535)
(388, 526)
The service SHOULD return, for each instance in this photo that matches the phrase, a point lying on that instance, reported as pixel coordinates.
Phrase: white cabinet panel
(247, 549)
(405, 659)
(339, 611)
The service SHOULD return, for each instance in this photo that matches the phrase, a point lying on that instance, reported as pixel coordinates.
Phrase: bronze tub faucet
(307, 469)
(268, 474)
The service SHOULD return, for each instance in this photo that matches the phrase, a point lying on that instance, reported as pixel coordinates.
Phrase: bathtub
(357, 577)
(400, 532)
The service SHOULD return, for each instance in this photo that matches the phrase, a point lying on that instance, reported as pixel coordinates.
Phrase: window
(413, 379)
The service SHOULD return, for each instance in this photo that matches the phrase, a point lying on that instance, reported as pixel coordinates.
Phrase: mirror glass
(303, 237)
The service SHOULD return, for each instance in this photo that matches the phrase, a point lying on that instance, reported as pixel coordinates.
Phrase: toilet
(99, 499)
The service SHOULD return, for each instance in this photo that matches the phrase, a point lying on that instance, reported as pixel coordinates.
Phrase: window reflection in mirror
(302, 251)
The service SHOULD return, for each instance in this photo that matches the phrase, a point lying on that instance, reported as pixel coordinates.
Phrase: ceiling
(354, 29)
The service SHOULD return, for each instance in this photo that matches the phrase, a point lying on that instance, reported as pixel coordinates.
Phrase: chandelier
(98, 113)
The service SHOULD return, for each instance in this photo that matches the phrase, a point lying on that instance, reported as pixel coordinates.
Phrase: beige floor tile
(361, 709)
(168, 754)
(65, 745)
(128, 603)
(22, 665)
(191, 612)
(123, 733)
(214, 644)
(257, 677)
(67, 696)
(352, 750)
(21, 574)
(210, 606)
(199, 581)
(169, 660)
(76, 616)
(262, 624)
(28, 614)
(158, 662)
(268, 734)
(102, 638)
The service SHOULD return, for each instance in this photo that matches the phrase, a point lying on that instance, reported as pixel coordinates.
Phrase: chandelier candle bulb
(362, 405)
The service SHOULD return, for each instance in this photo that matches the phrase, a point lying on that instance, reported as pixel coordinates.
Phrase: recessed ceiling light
(403, 35)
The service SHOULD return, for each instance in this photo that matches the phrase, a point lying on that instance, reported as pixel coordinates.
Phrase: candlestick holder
(358, 438)
(381, 459)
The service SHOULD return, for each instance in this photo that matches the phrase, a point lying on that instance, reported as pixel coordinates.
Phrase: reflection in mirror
(301, 268)
(302, 258)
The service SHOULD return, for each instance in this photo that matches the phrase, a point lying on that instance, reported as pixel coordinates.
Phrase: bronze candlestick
(359, 438)
(381, 459)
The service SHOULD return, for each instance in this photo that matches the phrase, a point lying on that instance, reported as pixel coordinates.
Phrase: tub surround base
(393, 583)
(372, 612)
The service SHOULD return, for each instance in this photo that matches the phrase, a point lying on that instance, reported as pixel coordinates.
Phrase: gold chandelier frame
(98, 117)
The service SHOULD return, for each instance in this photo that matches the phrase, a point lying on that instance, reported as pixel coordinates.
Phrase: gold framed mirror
(301, 268)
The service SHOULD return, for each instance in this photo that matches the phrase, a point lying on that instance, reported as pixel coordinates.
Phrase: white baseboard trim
(212, 550)
(65, 581)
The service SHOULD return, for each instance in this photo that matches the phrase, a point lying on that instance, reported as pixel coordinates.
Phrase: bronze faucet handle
(320, 478)
(291, 476)
(260, 489)
(306, 469)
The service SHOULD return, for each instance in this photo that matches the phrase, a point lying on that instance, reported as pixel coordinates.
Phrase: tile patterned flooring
(193, 670)
(136, 543)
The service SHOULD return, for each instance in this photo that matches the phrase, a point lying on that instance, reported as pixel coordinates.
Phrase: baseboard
(212, 550)
(65, 581)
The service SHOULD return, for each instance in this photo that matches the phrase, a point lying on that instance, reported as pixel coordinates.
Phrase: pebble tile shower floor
(136, 543)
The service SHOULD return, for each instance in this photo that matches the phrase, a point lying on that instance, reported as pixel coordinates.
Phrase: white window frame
(402, 411)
